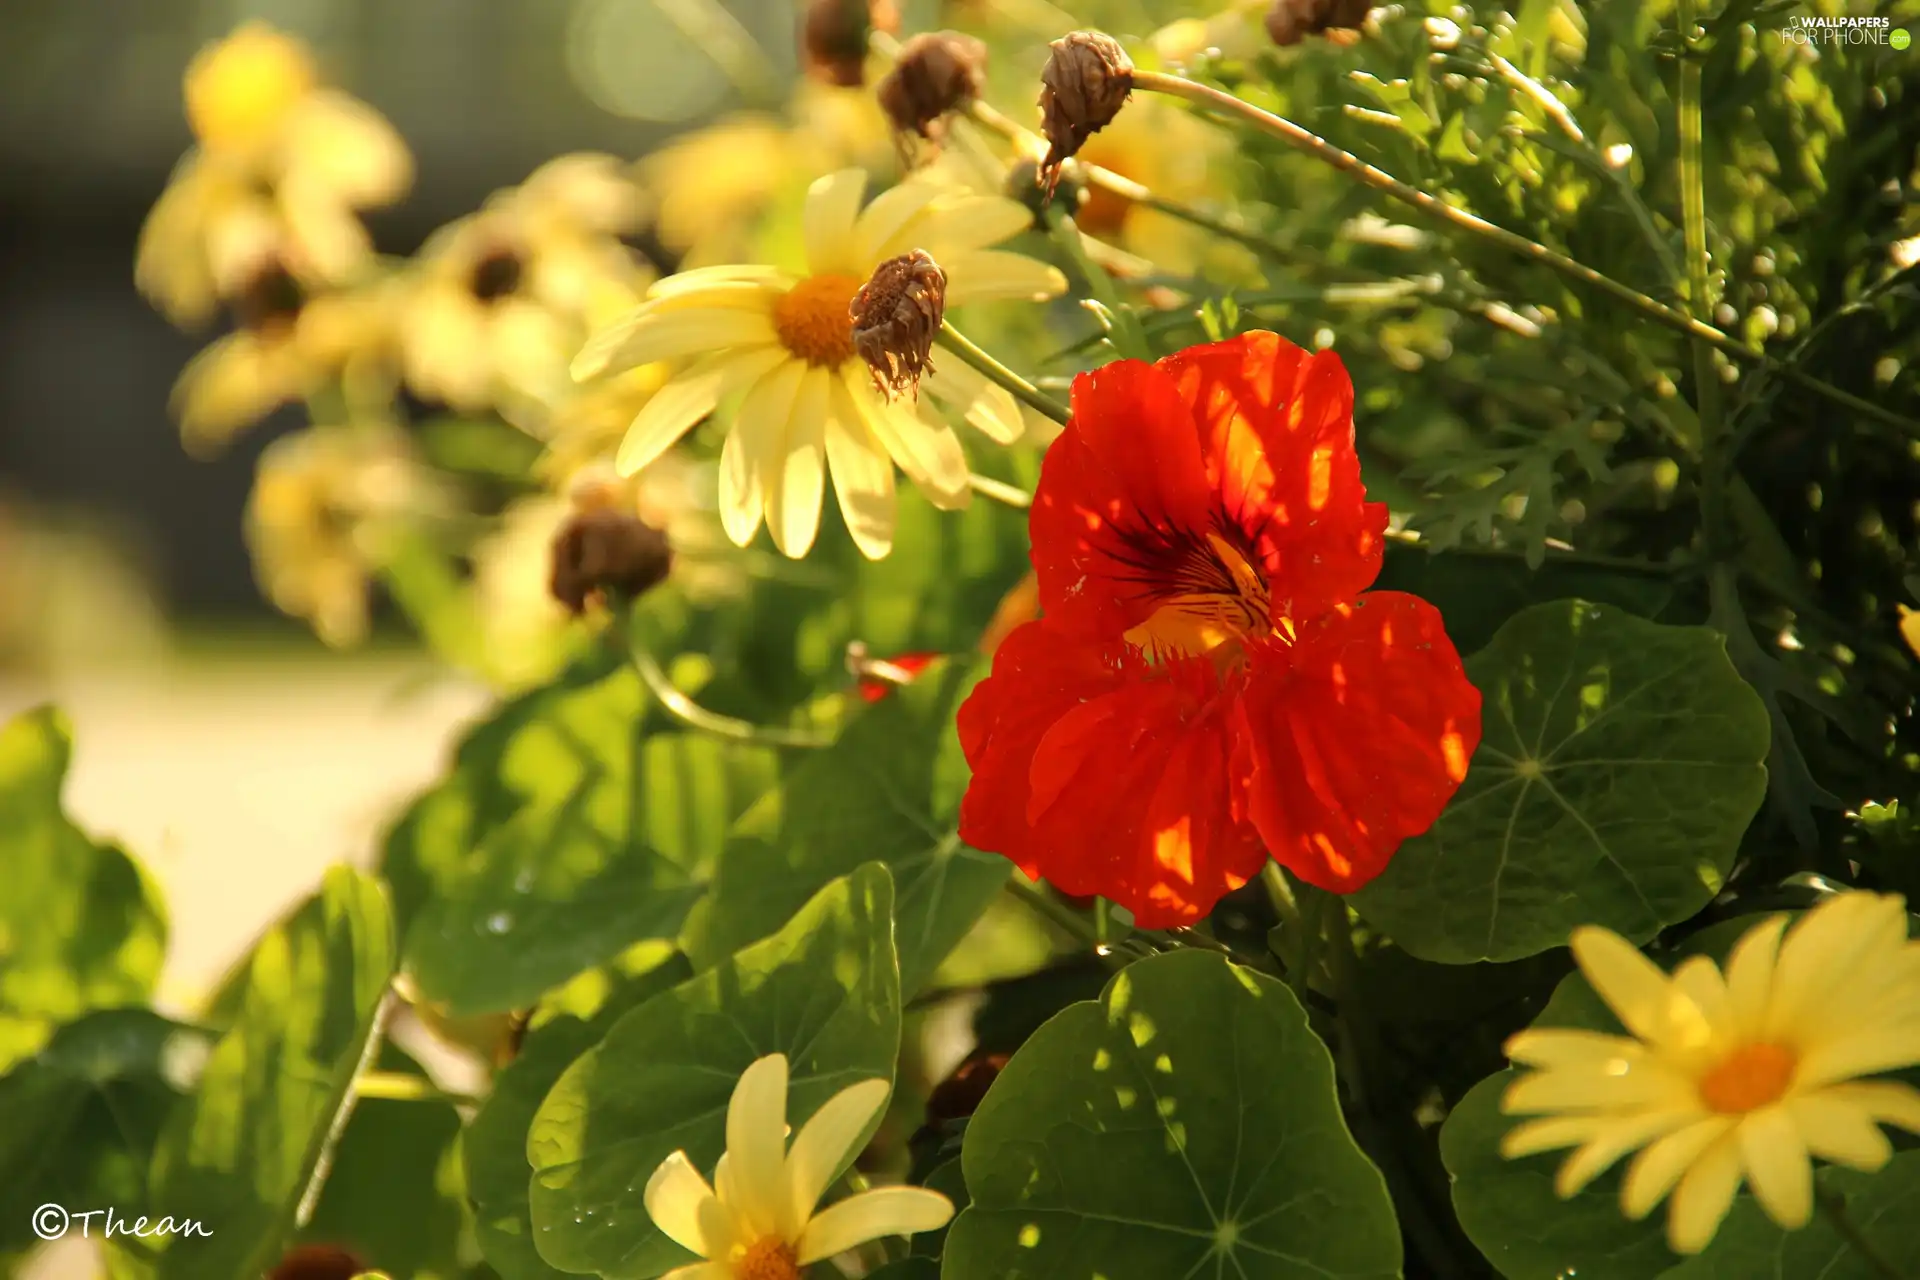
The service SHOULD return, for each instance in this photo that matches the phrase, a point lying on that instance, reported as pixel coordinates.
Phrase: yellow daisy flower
(1735, 1077)
(281, 167)
(785, 342)
(322, 501)
(758, 1222)
(504, 296)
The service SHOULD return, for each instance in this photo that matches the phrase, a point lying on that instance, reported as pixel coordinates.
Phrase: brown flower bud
(317, 1262)
(960, 1094)
(895, 315)
(937, 72)
(601, 550)
(833, 37)
(1291, 21)
(1082, 88)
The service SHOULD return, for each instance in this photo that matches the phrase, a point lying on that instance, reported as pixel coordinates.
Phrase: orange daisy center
(812, 322)
(768, 1258)
(1749, 1078)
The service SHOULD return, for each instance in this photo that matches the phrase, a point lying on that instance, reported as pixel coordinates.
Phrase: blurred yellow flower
(1741, 1076)
(785, 342)
(281, 167)
(287, 346)
(500, 299)
(324, 500)
(761, 1220)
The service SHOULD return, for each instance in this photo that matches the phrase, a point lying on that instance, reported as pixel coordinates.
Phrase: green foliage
(80, 925)
(1618, 766)
(240, 1153)
(1185, 1121)
(824, 990)
(888, 789)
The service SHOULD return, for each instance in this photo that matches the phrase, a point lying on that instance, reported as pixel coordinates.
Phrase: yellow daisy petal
(698, 278)
(1704, 1195)
(646, 336)
(980, 275)
(888, 1211)
(1614, 1140)
(1887, 1101)
(930, 455)
(675, 1196)
(827, 223)
(885, 229)
(759, 430)
(1750, 973)
(1634, 987)
(985, 405)
(701, 1271)
(756, 1121)
(862, 474)
(1777, 1166)
(1867, 1051)
(1837, 1131)
(958, 224)
(691, 396)
(1557, 1046)
(1664, 1162)
(1550, 1134)
(826, 1141)
(793, 475)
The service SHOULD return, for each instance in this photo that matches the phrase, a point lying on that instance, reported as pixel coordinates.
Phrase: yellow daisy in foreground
(758, 1221)
(785, 343)
(1736, 1077)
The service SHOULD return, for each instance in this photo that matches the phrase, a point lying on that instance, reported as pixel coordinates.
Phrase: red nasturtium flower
(1207, 684)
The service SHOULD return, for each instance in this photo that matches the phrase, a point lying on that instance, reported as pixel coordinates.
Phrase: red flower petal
(874, 688)
(1103, 775)
(1123, 481)
(1355, 738)
(1276, 426)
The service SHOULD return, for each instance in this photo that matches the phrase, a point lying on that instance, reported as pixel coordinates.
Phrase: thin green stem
(1693, 216)
(1353, 166)
(1122, 326)
(1022, 390)
(999, 491)
(397, 1086)
(1074, 923)
(1835, 1207)
(1558, 555)
(691, 713)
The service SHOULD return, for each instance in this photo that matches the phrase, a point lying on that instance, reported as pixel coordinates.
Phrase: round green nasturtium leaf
(495, 1148)
(887, 789)
(571, 826)
(1620, 761)
(238, 1154)
(1185, 1124)
(824, 991)
(81, 927)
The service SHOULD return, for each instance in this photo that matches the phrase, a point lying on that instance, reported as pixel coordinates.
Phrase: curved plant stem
(1693, 217)
(1359, 170)
(1081, 927)
(982, 363)
(999, 491)
(1835, 1207)
(695, 716)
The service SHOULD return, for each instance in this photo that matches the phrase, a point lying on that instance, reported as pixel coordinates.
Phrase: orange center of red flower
(1213, 597)
(812, 321)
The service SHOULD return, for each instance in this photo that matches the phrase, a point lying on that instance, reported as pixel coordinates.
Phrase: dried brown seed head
(833, 37)
(895, 315)
(317, 1262)
(1291, 21)
(601, 550)
(1082, 88)
(937, 73)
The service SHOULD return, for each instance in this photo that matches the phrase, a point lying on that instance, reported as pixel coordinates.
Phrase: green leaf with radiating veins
(1620, 761)
(1186, 1124)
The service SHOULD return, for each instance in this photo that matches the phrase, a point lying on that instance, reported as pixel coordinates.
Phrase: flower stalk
(982, 363)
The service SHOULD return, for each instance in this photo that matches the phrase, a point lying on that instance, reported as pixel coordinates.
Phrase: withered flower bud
(1291, 21)
(601, 549)
(1082, 88)
(833, 37)
(895, 315)
(937, 73)
(317, 1262)
(960, 1094)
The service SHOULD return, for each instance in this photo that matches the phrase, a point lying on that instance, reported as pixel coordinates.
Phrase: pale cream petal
(888, 1211)
(1750, 974)
(340, 143)
(1777, 1166)
(717, 1225)
(1867, 1051)
(756, 1146)
(826, 1141)
(699, 278)
(931, 456)
(1836, 1130)
(794, 475)
(862, 474)
(1647, 1084)
(759, 434)
(1615, 1138)
(1698, 978)
(675, 1195)
(1634, 987)
(961, 223)
(1887, 1101)
(1655, 1170)
(1550, 1133)
(701, 1271)
(984, 404)
(676, 407)
(980, 275)
(1558, 1046)
(646, 335)
(886, 226)
(1825, 949)
(1704, 1195)
(827, 223)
